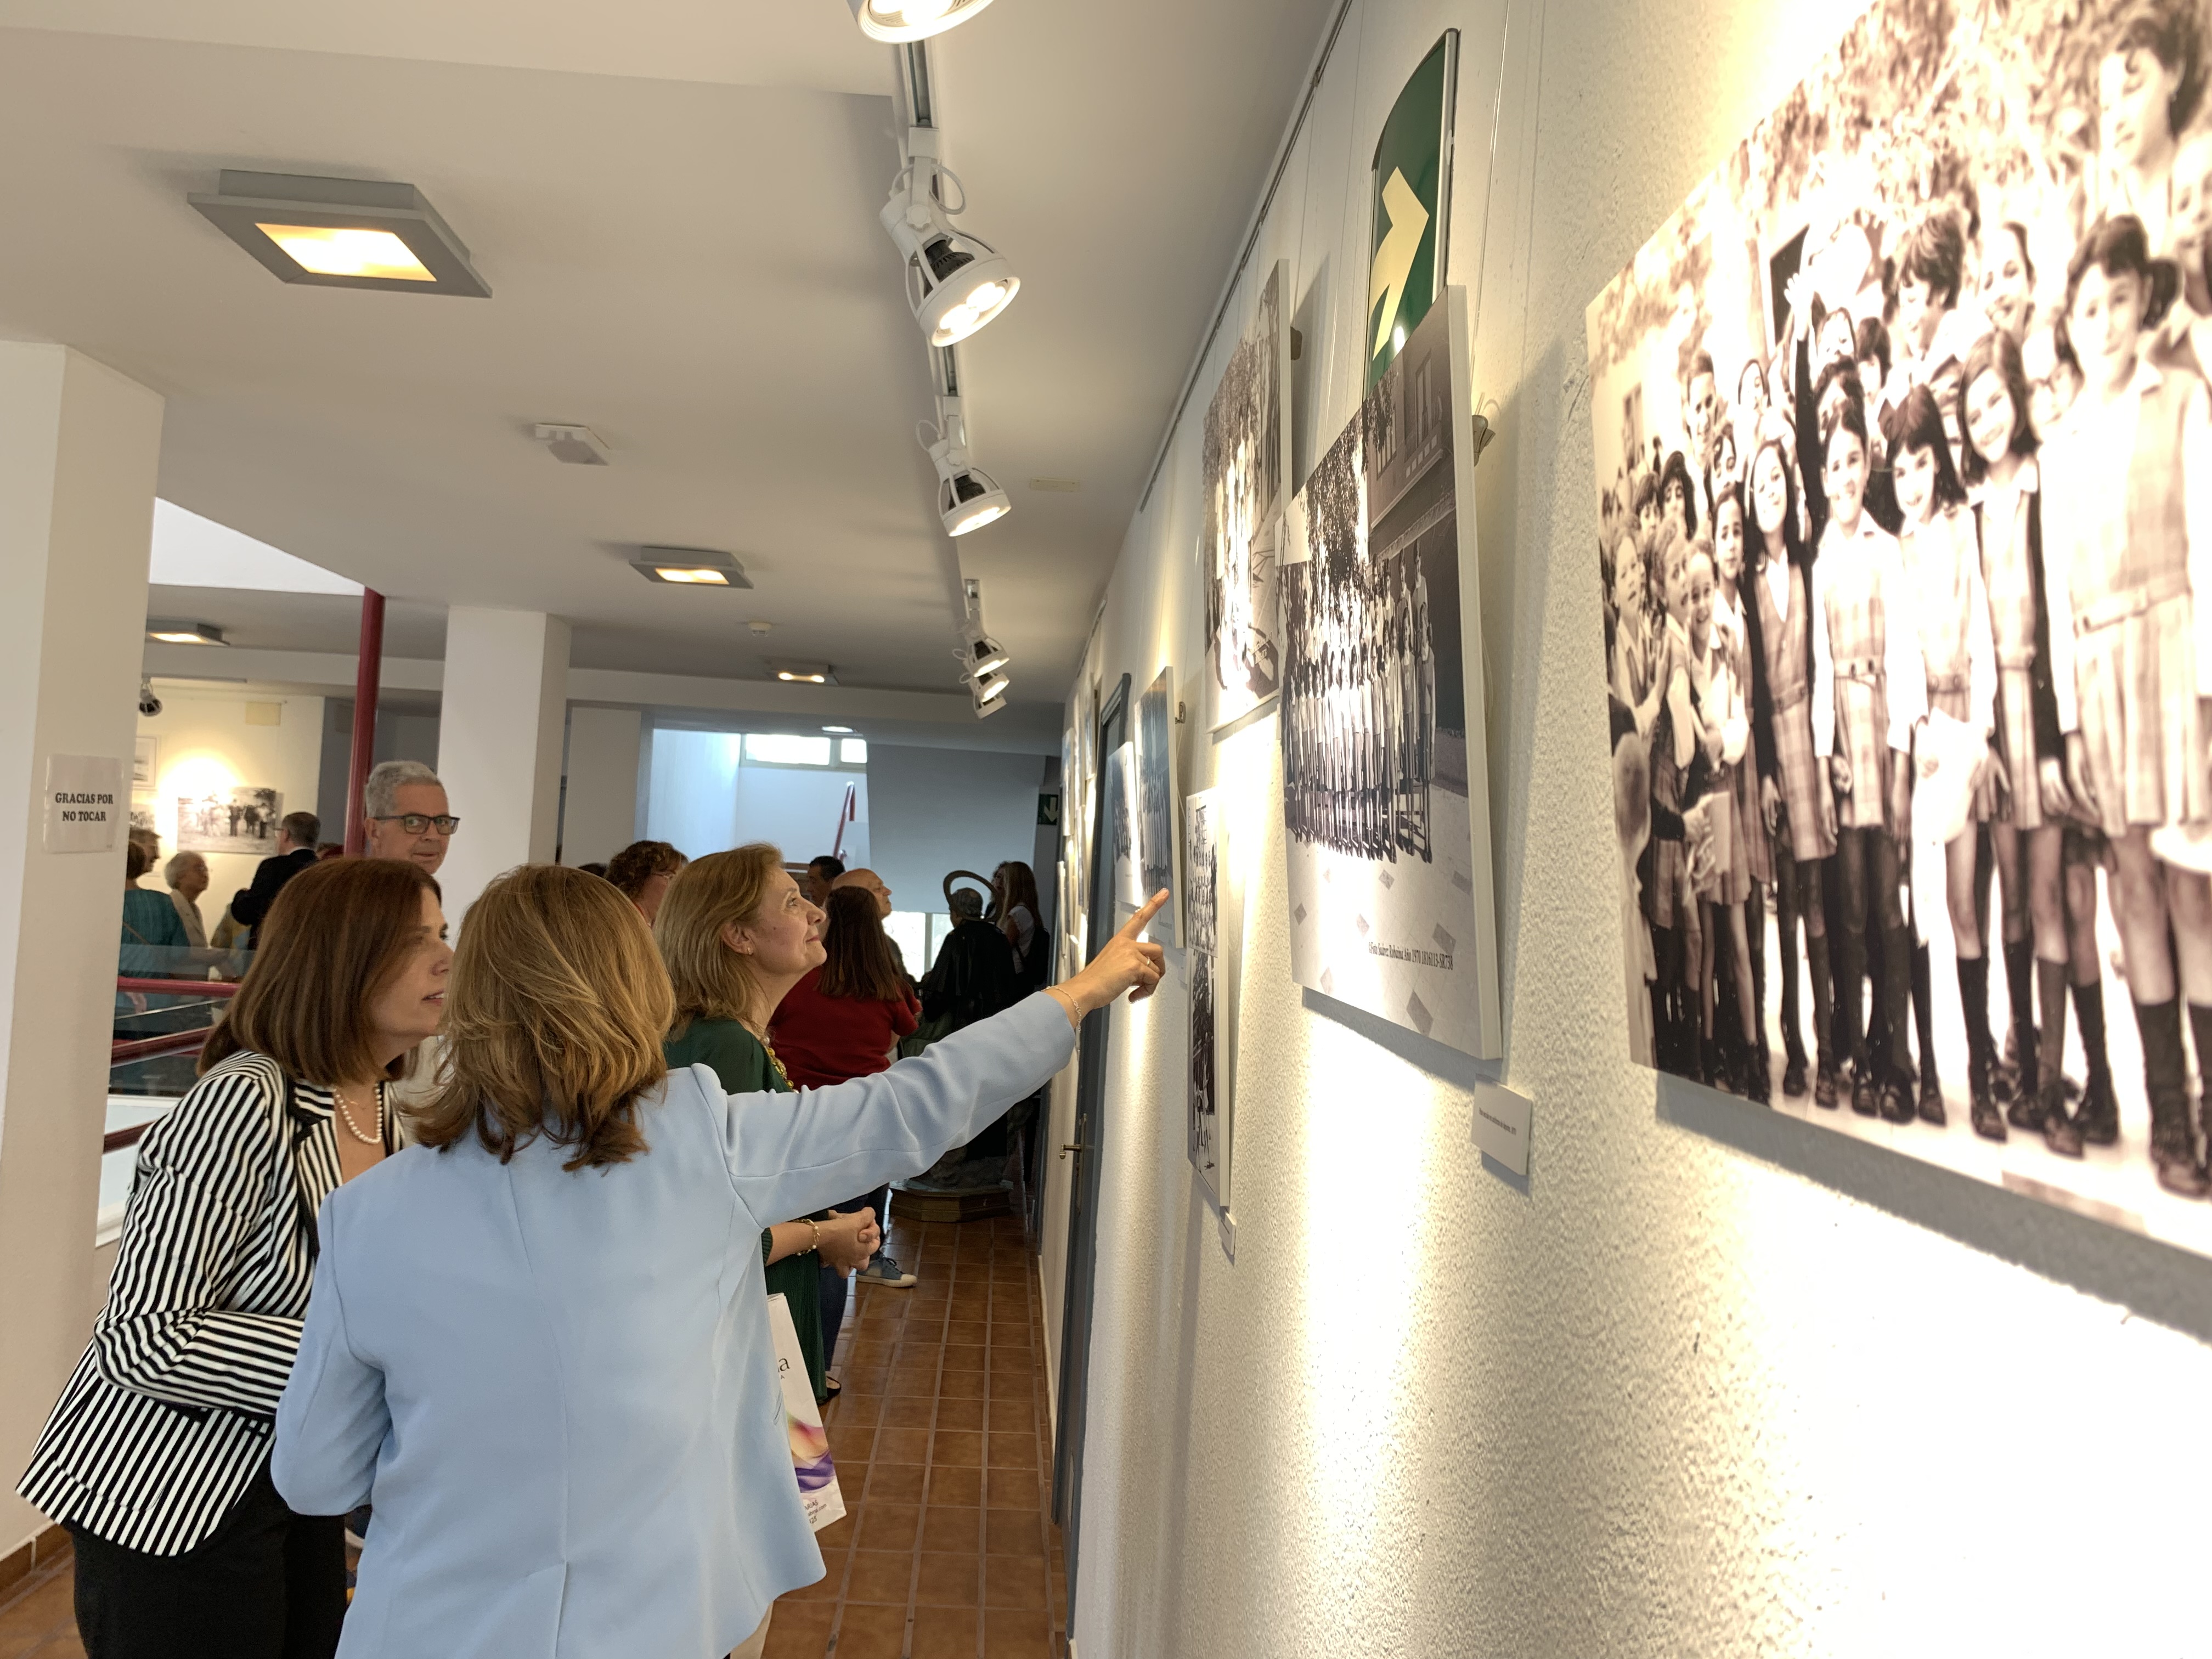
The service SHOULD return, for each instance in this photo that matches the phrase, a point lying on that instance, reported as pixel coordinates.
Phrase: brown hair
(137, 860)
(859, 963)
(553, 1020)
(710, 980)
(1014, 883)
(639, 862)
(336, 935)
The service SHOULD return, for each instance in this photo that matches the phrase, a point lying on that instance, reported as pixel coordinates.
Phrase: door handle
(1075, 1146)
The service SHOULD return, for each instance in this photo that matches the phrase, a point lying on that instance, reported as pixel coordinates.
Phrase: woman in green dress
(737, 934)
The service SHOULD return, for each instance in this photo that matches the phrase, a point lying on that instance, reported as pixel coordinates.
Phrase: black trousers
(265, 1584)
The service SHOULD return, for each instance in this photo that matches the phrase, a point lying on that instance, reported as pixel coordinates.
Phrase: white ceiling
(674, 203)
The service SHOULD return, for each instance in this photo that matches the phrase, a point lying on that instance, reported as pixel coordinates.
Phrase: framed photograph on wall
(1905, 636)
(241, 819)
(1120, 782)
(1159, 834)
(1386, 796)
(1213, 931)
(1246, 478)
(144, 760)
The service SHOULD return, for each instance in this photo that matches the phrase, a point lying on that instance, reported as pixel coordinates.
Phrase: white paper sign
(86, 804)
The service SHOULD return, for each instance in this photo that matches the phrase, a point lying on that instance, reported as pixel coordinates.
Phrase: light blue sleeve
(792, 1155)
(332, 1420)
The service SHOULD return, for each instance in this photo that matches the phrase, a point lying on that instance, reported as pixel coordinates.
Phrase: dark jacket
(975, 977)
(250, 905)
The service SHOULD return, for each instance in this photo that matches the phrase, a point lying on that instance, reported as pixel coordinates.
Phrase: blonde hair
(710, 980)
(553, 1020)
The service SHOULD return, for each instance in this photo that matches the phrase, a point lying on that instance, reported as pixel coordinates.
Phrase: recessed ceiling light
(689, 567)
(840, 731)
(342, 233)
(184, 633)
(804, 673)
(912, 20)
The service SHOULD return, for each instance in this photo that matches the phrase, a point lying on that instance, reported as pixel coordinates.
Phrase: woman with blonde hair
(539, 1340)
(732, 956)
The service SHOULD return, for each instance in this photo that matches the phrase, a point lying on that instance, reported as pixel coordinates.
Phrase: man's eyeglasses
(416, 823)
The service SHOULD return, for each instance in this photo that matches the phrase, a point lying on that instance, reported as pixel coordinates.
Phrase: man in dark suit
(295, 851)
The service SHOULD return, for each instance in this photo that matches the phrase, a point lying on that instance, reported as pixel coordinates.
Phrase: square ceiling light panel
(342, 233)
(689, 567)
(804, 673)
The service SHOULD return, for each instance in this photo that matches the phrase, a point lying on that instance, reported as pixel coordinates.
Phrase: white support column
(501, 722)
(598, 815)
(80, 447)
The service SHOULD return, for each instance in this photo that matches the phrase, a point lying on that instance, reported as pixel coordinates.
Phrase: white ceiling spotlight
(983, 660)
(954, 282)
(912, 20)
(968, 498)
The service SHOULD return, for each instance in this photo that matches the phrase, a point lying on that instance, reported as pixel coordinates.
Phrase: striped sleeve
(206, 1177)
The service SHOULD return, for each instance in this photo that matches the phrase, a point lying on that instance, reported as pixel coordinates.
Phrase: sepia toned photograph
(1904, 450)
(237, 820)
(1246, 462)
(1210, 929)
(1374, 717)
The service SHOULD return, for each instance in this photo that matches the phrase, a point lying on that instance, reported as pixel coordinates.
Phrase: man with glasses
(405, 805)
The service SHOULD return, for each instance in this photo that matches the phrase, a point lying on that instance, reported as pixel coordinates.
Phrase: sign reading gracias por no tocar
(85, 803)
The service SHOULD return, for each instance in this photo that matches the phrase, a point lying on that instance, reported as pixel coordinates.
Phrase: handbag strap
(303, 1125)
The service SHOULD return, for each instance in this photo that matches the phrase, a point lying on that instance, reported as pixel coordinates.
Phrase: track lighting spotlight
(954, 282)
(986, 655)
(968, 498)
(912, 20)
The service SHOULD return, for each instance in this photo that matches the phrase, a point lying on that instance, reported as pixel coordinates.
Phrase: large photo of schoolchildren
(1904, 456)
(1375, 730)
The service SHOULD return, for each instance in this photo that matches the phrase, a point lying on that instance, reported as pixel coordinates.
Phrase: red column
(367, 675)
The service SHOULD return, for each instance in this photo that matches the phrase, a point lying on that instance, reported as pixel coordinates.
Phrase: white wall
(941, 810)
(206, 743)
(80, 447)
(599, 801)
(705, 798)
(1708, 1382)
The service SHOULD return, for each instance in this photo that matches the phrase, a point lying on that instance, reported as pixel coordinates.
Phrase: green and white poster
(1412, 200)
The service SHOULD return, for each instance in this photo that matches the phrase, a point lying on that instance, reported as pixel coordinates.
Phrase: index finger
(1136, 924)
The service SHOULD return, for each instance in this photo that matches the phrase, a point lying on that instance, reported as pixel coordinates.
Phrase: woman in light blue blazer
(539, 1340)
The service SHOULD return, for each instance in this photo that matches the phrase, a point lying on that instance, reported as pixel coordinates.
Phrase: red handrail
(168, 1042)
(213, 988)
(116, 1139)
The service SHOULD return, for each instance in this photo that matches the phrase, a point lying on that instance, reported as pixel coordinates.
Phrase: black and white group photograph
(243, 819)
(1158, 831)
(1246, 464)
(1206, 924)
(1903, 461)
(1374, 727)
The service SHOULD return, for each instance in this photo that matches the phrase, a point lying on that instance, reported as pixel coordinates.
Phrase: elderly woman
(539, 1340)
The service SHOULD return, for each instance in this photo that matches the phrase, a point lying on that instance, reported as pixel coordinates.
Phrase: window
(780, 749)
(853, 751)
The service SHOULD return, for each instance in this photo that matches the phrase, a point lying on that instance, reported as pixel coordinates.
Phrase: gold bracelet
(1074, 1013)
(816, 1245)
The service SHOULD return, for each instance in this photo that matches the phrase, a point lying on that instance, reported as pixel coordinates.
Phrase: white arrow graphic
(1393, 260)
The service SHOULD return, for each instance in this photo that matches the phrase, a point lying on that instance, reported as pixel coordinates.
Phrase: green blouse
(743, 1067)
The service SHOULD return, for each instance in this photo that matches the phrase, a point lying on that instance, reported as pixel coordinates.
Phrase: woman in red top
(842, 1021)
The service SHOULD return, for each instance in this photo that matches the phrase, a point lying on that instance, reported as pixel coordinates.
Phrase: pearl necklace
(345, 1113)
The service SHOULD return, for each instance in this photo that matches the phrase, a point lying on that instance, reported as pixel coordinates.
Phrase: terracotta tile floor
(39, 1621)
(945, 1462)
(942, 1454)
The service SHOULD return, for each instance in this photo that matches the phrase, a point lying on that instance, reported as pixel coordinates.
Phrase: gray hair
(179, 862)
(967, 904)
(380, 795)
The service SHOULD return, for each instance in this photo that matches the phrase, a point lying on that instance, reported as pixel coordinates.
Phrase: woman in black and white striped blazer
(156, 1457)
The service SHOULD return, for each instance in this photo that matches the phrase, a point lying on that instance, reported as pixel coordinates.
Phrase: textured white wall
(1709, 1381)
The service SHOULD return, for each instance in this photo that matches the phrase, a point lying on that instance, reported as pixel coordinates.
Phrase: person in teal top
(734, 944)
(154, 940)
